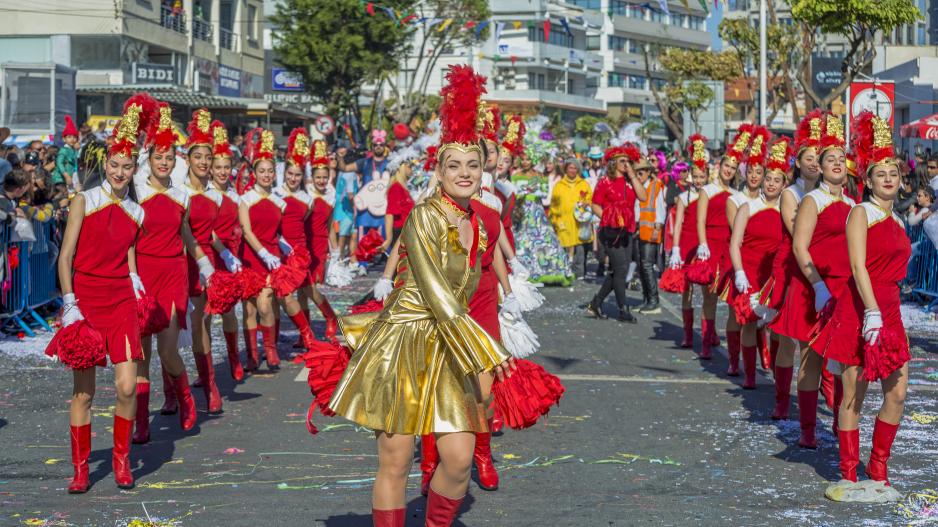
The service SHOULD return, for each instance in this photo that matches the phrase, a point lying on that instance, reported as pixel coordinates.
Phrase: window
(617, 43)
(635, 46)
(252, 22)
(659, 84)
(593, 43)
(636, 82)
(616, 80)
(587, 4)
(696, 22)
(95, 52)
(678, 19)
(621, 7)
(536, 81)
(592, 82)
(558, 35)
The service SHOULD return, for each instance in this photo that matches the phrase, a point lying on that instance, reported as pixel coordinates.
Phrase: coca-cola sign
(931, 133)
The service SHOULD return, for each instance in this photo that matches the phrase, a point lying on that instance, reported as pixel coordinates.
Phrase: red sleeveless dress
(887, 255)
(718, 233)
(828, 251)
(265, 213)
(317, 234)
(762, 236)
(227, 227)
(294, 220)
(161, 260)
(483, 306)
(203, 210)
(784, 265)
(101, 281)
(689, 239)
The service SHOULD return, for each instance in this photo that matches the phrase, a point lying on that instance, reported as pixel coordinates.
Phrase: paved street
(646, 434)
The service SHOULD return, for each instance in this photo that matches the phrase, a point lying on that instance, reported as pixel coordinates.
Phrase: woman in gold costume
(415, 364)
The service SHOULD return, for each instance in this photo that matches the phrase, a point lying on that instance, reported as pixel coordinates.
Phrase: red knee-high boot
(429, 457)
(749, 367)
(764, 354)
(170, 406)
(773, 351)
(688, 316)
(706, 326)
(234, 361)
(181, 389)
(807, 414)
(849, 453)
(306, 332)
(81, 449)
(441, 511)
(782, 392)
(827, 385)
(714, 338)
(732, 351)
(332, 323)
(268, 333)
(203, 362)
(883, 436)
(120, 455)
(299, 341)
(388, 518)
(838, 398)
(488, 476)
(142, 418)
(250, 342)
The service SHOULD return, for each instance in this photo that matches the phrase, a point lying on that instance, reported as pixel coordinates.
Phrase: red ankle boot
(706, 326)
(782, 392)
(269, 334)
(807, 414)
(488, 477)
(234, 361)
(203, 362)
(838, 398)
(388, 518)
(142, 419)
(332, 323)
(883, 436)
(441, 511)
(250, 342)
(732, 352)
(688, 316)
(81, 449)
(429, 457)
(120, 456)
(186, 401)
(749, 366)
(849, 453)
(773, 351)
(827, 386)
(170, 405)
(306, 333)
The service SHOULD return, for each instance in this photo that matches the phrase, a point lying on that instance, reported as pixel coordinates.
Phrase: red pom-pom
(252, 283)
(370, 306)
(79, 346)
(673, 280)
(743, 308)
(286, 279)
(699, 272)
(369, 246)
(299, 258)
(150, 317)
(326, 363)
(888, 355)
(223, 293)
(527, 394)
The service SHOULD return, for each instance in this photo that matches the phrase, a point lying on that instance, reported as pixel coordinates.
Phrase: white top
(740, 197)
(759, 204)
(875, 215)
(712, 189)
(301, 195)
(507, 188)
(823, 198)
(253, 197)
(209, 193)
(146, 192)
(230, 193)
(99, 197)
(797, 190)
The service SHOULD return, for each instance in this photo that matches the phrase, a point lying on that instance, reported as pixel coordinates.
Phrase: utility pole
(763, 82)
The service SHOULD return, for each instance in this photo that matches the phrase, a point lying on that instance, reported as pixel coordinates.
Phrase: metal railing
(28, 277)
(175, 20)
(228, 39)
(201, 29)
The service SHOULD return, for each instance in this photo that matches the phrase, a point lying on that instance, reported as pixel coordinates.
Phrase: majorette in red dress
(203, 211)
(294, 220)
(761, 238)
(161, 261)
(317, 235)
(887, 255)
(483, 306)
(101, 281)
(265, 213)
(227, 227)
(784, 265)
(717, 230)
(399, 204)
(689, 226)
(828, 249)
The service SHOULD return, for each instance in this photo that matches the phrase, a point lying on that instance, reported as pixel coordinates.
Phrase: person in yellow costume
(570, 195)
(414, 365)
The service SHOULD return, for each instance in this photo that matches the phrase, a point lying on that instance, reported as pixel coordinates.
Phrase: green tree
(337, 47)
(858, 21)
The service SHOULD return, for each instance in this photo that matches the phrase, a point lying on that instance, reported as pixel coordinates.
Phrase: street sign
(152, 73)
(324, 124)
(877, 97)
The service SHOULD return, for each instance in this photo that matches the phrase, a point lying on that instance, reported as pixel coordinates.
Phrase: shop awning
(924, 128)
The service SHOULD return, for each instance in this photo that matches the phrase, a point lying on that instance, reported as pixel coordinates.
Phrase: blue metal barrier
(32, 282)
(926, 277)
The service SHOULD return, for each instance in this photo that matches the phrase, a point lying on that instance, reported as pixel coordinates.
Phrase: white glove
(703, 252)
(675, 259)
(872, 324)
(70, 311)
(231, 261)
(138, 285)
(271, 261)
(285, 247)
(821, 296)
(383, 288)
(518, 269)
(511, 305)
(206, 269)
(742, 283)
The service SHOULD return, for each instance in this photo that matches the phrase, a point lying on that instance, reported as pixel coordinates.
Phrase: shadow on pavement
(416, 512)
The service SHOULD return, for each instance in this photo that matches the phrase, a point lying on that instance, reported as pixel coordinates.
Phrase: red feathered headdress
(513, 140)
(740, 144)
(697, 151)
(70, 128)
(319, 155)
(160, 134)
(430, 163)
(459, 112)
(138, 110)
(809, 131)
(199, 129)
(871, 139)
(833, 134)
(263, 146)
(401, 131)
(491, 122)
(298, 148)
(780, 155)
(759, 146)
(628, 149)
(220, 145)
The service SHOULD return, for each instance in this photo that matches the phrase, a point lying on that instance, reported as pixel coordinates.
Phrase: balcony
(201, 29)
(549, 99)
(228, 39)
(661, 33)
(174, 20)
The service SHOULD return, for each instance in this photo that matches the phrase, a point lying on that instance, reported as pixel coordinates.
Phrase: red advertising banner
(878, 97)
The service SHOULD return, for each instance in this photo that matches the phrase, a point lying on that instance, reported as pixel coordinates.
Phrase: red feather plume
(808, 134)
(161, 137)
(526, 395)
(781, 163)
(513, 138)
(220, 145)
(200, 129)
(326, 362)
(758, 146)
(133, 124)
(863, 140)
(459, 111)
(628, 150)
(296, 152)
(430, 163)
(697, 151)
(740, 144)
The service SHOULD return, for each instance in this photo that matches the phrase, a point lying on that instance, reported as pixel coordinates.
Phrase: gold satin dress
(414, 365)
